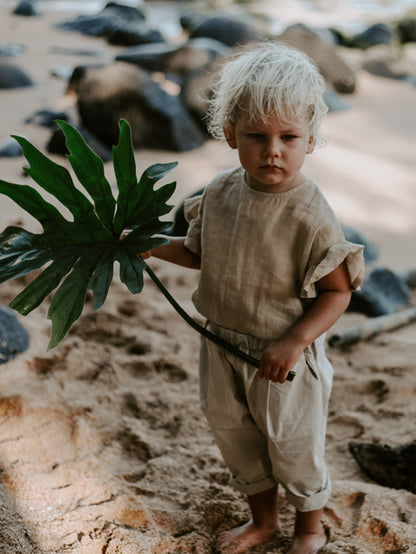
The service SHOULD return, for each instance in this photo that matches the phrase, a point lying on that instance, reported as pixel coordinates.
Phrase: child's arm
(175, 252)
(333, 299)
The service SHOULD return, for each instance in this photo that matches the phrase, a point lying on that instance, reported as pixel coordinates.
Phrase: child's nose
(273, 148)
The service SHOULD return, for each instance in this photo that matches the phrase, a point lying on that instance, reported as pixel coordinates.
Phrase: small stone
(14, 338)
(383, 292)
(390, 467)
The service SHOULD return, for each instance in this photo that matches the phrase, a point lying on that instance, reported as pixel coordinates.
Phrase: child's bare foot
(241, 538)
(308, 543)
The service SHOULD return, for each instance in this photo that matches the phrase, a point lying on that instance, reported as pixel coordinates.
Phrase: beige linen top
(263, 253)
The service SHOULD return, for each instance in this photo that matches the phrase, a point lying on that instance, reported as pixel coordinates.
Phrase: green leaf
(56, 180)
(20, 253)
(32, 202)
(89, 169)
(79, 255)
(125, 172)
(131, 271)
(69, 299)
(102, 277)
(32, 296)
(134, 200)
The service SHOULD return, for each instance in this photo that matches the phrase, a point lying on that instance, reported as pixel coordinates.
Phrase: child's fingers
(276, 374)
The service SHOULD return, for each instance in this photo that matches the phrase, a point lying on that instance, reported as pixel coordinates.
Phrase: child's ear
(229, 133)
(311, 145)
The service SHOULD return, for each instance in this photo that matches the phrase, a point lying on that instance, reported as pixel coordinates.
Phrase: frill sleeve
(193, 214)
(343, 250)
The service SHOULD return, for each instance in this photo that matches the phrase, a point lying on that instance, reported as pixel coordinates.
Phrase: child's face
(271, 152)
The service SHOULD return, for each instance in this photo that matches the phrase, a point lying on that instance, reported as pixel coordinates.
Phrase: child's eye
(255, 135)
(289, 137)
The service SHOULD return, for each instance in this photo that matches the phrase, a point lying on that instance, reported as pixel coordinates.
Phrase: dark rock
(379, 33)
(10, 148)
(406, 29)
(56, 144)
(14, 338)
(78, 74)
(173, 58)
(134, 34)
(158, 120)
(409, 277)
(46, 118)
(232, 31)
(112, 18)
(27, 8)
(197, 88)
(12, 76)
(333, 68)
(339, 37)
(384, 61)
(8, 50)
(190, 20)
(383, 68)
(148, 56)
(195, 54)
(387, 466)
(371, 250)
(383, 292)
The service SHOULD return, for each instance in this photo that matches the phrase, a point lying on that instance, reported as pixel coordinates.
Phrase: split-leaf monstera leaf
(79, 252)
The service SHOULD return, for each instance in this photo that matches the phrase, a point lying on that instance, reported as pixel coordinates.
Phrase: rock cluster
(175, 121)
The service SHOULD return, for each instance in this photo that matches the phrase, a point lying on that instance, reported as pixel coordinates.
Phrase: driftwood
(373, 327)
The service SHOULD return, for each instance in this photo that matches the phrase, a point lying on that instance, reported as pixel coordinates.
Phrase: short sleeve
(193, 215)
(341, 251)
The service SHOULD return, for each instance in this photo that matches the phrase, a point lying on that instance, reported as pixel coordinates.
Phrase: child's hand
(278, 359)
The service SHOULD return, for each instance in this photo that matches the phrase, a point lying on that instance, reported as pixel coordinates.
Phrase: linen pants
(268, 433)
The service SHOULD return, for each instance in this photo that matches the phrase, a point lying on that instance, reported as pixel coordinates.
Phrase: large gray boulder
(122, 90)
(228, 29)
(333, 68)
(406, 29)
(379, 33)
(177, 59)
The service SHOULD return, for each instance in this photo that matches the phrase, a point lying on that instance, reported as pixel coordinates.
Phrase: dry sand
(103, 448)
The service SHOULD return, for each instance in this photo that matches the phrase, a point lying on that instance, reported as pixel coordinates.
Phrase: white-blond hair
(268, 78)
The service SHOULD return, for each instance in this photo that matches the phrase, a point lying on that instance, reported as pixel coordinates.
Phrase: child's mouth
(270, 167)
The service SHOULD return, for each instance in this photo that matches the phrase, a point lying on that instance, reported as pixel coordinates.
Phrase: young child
(276, 273)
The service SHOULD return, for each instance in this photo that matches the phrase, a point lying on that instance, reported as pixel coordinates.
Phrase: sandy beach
(103, 447)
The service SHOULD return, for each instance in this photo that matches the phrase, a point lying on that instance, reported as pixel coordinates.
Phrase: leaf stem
(202, 330)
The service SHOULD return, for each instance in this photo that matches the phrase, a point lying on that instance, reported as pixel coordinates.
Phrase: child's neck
(277, 188)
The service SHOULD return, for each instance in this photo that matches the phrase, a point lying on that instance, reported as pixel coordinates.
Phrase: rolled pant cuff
(254, 488)
(310, 503)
